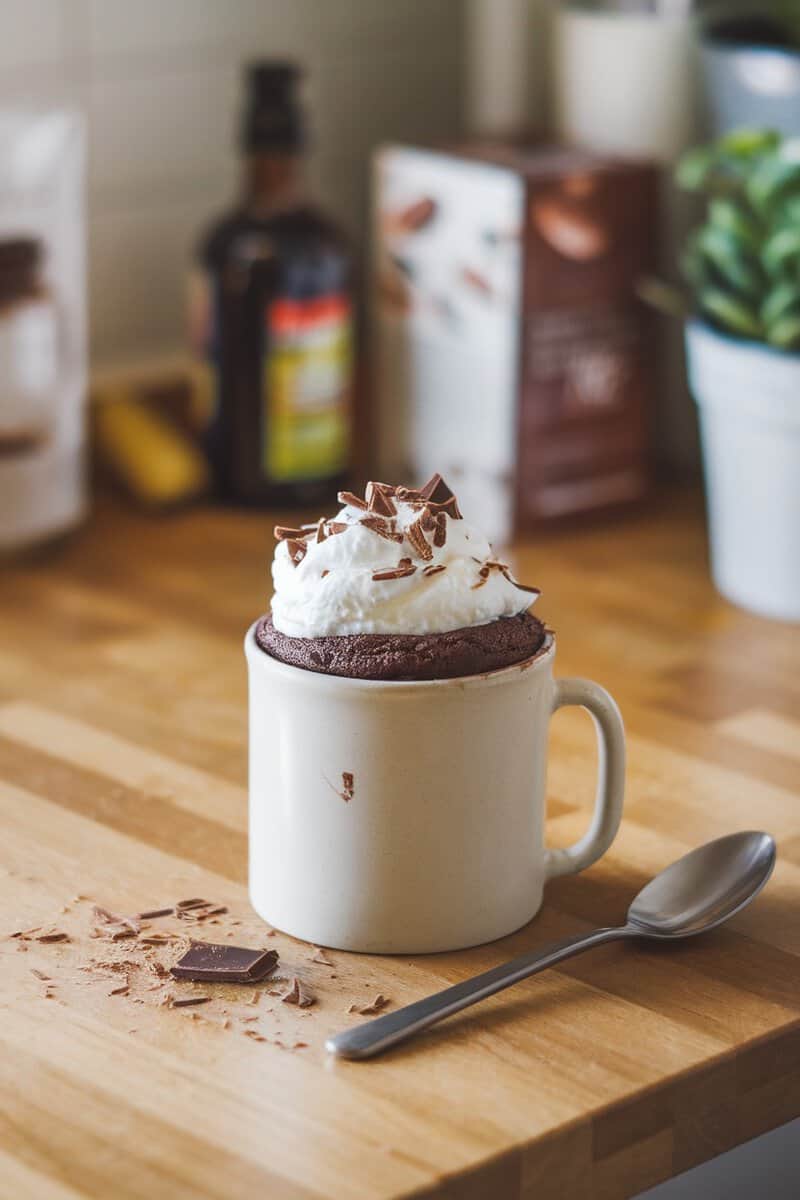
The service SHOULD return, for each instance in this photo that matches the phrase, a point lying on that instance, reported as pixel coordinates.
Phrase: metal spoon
(699, 891)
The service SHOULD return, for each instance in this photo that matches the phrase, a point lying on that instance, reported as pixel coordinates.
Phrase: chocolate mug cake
(400, 697)
(398, 586)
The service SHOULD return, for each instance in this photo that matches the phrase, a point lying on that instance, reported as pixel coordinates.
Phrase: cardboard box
(512, 353)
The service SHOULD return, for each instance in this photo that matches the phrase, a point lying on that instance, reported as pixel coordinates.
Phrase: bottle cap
(272, 117)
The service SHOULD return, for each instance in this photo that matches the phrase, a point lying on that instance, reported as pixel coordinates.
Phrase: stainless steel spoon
(694, 894)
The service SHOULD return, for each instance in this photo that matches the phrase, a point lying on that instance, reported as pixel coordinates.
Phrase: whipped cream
(418, 569)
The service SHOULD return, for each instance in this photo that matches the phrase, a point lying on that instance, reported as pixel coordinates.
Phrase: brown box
(512, 352)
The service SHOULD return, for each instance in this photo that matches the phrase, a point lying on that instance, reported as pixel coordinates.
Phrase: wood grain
(123, 781)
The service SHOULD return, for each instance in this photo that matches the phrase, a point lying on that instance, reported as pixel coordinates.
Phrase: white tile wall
(159, 81)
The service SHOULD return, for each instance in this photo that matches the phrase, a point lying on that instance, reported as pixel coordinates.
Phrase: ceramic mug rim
(536, 663)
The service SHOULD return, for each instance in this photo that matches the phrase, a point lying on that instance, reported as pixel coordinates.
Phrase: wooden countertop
(122, 783)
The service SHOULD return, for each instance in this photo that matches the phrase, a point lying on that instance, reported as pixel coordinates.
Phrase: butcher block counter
(123, 792)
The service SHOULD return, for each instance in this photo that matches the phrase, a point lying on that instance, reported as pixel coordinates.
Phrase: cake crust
(385, 656)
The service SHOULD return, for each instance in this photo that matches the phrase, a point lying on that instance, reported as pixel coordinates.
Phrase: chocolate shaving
(408, 495)
(285, 532)
(352, 499)
(436, 490)
(393, 573)
(419, 541)
(110, 918)
(379, 499)
(382, 528)
(299, 994)
(256, 1037)
(524, 588)
(479, 584)
(321, 534)
(122, 990)
(321, 957)
(297, 550)
(153, 913)
(427, 520)
(376, 1005)
(440, 532)
(56, 936)
(189, 1002)
(196, 902)
(348, 786)
(432, 569)
(41, 975)
(446, 506)
(334, 527)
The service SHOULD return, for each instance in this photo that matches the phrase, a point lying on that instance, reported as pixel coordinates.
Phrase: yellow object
(151, 457)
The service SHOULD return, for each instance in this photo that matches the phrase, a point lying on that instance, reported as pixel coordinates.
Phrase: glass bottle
(271, 313)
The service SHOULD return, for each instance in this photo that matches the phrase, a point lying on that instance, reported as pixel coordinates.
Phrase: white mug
(407, 817)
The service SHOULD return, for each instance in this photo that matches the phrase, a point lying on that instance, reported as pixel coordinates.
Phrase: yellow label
(307, 387)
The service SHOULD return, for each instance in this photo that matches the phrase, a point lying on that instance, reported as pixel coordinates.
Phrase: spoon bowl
(705, 887)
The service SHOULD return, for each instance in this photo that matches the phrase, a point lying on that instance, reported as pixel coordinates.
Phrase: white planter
(748, 396)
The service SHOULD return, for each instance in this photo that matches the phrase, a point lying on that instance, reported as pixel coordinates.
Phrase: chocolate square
(211, 963)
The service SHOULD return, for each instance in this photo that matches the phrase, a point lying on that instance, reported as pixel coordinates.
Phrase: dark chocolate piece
(208, 962)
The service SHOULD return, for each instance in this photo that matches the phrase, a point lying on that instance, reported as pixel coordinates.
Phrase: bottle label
(306, 387)
(200, 331)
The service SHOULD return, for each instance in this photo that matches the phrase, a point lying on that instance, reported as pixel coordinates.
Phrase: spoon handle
(363, 1041)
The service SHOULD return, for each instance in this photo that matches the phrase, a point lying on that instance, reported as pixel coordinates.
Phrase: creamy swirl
(419, 570)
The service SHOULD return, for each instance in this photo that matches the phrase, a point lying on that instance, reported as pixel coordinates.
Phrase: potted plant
(743, 349)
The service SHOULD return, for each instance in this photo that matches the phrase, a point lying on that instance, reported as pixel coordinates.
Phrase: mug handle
(610, 776)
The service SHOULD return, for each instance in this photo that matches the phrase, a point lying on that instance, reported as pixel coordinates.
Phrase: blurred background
(282, 246)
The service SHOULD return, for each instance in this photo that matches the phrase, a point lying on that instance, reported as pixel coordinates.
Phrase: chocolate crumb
(189, 1001)
(324, 573)
(348, 786)
(299, 994)
(254, 1034)
(433, 569)
(39, 974)
(56, 936)
(120, 991)
(377, 1004)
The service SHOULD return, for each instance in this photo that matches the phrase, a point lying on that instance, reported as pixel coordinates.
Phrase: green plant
(743, 263)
